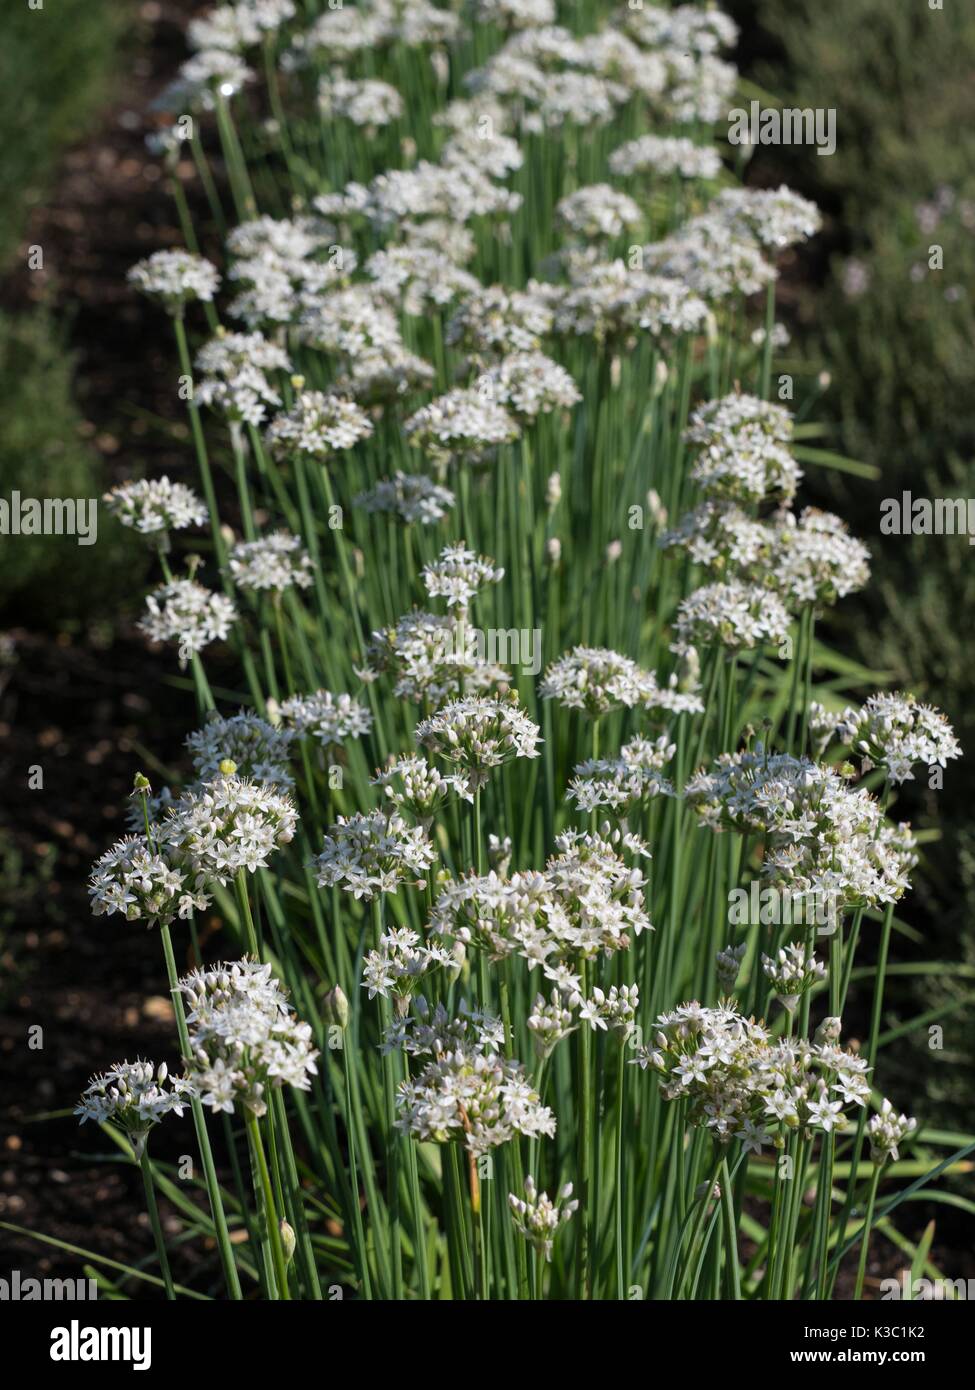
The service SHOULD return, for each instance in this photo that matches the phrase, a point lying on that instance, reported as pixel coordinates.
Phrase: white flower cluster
(494, 322)
(608, 301)
(134, 1096)
(892, 731)
(710, 260)
(240, 25)
(791, 972)
(333, 719)
(811, 559)
(538, 1218)
(747, 466)
(228, 826)
(464, 426)
(413, 785)
(276, 562)
(459, 575)
(733, 615)
(587, 900)
(666, 154)
(467, 1092)
(431, 660)
(479, 732)
(886, 1131)
(367, 855)
(777, 218)
(235, 382)
(598, 212)
(153, 505)
(825, 840)
(596, 681)
(259, 750)
(631, 779)
(421, 279)
(413, 497)
(145, 883)
(742, 1082)
(317, 426)
(244, 1036)
(175, 278)
(188, 614)
(713, 421)
(284, 266)
(529, 384)
(400, 962)
(366, 102)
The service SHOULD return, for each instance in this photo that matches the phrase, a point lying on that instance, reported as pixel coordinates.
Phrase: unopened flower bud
(227, 767)
(288, 1241)
(335, 1008)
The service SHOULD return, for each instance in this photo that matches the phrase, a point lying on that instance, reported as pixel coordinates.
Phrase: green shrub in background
(55, 71)
(47, 580)
(56, 67)
(898, 335)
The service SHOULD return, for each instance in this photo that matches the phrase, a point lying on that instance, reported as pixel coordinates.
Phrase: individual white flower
(259, 751)
(538, 1218)
(244, 1036)
(367, 855)
(736, 616)
(134, 1097)
(332, 719)
(412, 497)
(153, 506)
(317, 426)
(275, 562)
(186, 613)
(175, 278)
(479, 732)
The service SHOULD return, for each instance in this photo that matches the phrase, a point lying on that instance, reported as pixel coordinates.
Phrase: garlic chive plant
(525, 681)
